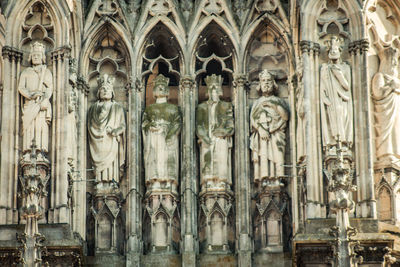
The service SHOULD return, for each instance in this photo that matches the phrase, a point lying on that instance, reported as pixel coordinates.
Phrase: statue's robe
(36, 113)
(336, 104)
(214, 128)
(107, 151)
(161, 125)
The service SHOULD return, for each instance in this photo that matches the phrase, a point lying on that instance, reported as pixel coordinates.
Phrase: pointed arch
(196, 33)
(311, 10)
(16, 14)
(385, 202)
(255, 29)
(148, 30)
(98, 32)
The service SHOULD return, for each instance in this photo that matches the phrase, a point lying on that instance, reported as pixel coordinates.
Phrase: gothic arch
(311, 12)
(16, 16)
(277, 31)
(145, 31)
(149, 33)
(195, 37)
(94, 37)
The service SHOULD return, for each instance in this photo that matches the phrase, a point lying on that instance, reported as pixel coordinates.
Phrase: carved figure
(386, 95)
(71, 119)
(106, 127)
(161, 127)
(336, 98)
(214, 128)
(36, 87)
(301, 118)
(268, 122)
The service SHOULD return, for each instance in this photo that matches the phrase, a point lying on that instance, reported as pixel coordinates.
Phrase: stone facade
(199, 133)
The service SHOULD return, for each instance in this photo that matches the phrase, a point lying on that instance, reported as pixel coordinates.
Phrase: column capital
(61, 53)
(186, 82)
(11, 53)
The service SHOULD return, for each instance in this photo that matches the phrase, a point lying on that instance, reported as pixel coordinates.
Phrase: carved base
(271, 218)
(216, 221)
(162, 233)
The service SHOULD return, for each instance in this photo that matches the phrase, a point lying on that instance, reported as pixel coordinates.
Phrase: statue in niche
(268, 122)
(71, 118)
(336, 99)
(386, 96)
(36, 87)
(161, 126)
(106, 127)
(214, 129)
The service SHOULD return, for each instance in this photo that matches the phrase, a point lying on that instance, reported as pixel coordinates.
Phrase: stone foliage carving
(36, 88)
(106, 127)
(336, 98)
(268, 121)
(386, 96)
(214, 128)
(161, 127)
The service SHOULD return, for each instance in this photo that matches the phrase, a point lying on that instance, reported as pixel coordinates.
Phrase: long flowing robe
(36, 113)
(161, 126)
(336, 104)
(214, 128)
(268, 117)
(107, 151)
(387, 116)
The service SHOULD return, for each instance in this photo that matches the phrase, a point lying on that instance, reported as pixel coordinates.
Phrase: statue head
(106, 87)
(161, 88)
(37, 54)
(334, 46)
(267, 82)
(214, 86)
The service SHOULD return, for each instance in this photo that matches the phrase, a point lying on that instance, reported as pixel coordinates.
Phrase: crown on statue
(265, 75)
(213, 79)
(37, 47)
(105, 80)
(161, 80)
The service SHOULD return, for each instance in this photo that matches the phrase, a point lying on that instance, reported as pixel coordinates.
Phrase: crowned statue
(161, 125)
(106, 128)
(36, 87)
(336, 98)
(214, 129)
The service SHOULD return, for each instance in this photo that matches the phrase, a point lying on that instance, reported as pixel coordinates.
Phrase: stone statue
(71, 119)
(36, 87)
(161, 127)
(214, 128)
(386, 95)
(106, 127)
(336, 98)
(268, 122)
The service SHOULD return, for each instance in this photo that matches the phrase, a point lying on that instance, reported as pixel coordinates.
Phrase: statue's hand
(35, 95)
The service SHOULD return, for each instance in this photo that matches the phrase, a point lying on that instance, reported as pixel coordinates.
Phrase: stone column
(188, 101)
(242, 171)
(59, 210)
(9, 140)
(134, 161)
(79, 186)
(315, 207)
(366, 205)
